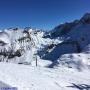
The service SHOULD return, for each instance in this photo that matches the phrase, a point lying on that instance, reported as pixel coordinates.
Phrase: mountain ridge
(27, 44)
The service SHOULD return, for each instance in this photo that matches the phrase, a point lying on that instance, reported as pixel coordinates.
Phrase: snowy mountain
(21, 45)
(24, 46)
(75, 39)
(63, 29)
(65, 49)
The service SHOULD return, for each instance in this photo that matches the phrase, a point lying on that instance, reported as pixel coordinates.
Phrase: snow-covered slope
(24, 46)
(75, 38)
(54, 60)
(39, 78)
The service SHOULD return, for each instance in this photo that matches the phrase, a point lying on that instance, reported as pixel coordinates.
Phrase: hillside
(32, 59)
(75, 41)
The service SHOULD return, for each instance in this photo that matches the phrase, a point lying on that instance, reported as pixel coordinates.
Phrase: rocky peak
(86, 18)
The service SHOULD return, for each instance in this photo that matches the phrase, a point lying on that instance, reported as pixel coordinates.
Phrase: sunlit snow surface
(40, 78)
(62, 55)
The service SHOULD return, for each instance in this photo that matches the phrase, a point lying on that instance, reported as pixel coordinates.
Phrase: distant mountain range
(66, 45)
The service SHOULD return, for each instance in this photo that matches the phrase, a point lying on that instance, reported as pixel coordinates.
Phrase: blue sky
(45, 14)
